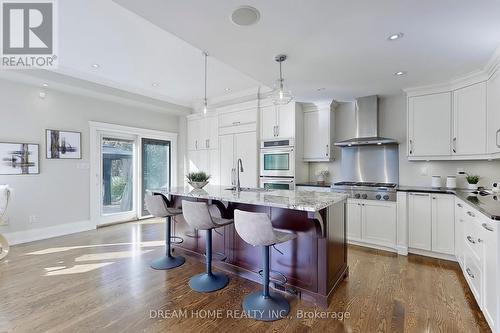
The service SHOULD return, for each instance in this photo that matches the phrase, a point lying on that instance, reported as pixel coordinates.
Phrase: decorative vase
(472, 186)
(198, 185)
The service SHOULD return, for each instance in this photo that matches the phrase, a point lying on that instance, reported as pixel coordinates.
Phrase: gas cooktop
(366, 184)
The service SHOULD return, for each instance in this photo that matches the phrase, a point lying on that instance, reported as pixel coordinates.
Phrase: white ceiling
(334, 44)
(134, 53)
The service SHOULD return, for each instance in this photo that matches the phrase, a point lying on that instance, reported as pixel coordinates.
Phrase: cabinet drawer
(238, 118)
(472, 235)
(473, 275)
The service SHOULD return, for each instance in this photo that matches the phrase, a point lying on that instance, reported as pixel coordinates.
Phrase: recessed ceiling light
(227, 89)
(155, 84)
(95, 66)
(45, 85)
(395, 36)
(320, 89)
(245, 16)
(400, 73)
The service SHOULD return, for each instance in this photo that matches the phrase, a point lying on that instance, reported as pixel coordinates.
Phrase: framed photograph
(63, 144)
(19, 159)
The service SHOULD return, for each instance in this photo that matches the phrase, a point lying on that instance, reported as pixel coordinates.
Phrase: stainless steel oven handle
(498, 143)
(276, 150)
(280, 181)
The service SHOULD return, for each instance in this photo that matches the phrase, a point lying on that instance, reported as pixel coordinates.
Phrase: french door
(125, 164)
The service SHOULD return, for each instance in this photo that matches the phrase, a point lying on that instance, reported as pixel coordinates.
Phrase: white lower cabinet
(491, 276)
(431, 219)
(372, 222)
(479, 251)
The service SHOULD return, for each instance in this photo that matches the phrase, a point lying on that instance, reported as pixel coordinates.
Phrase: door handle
(469, 238)
(485, 226)
(469, 273)
(454, 145)
(498, 132)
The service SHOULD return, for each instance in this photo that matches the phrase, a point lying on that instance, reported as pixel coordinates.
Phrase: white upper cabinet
(469, 120)
(202, 132)
(277, 121)
(429, 125)
(318, 134)
(268, 120)
(493, 126)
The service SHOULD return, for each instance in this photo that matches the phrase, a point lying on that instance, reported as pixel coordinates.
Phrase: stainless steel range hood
(366, 117)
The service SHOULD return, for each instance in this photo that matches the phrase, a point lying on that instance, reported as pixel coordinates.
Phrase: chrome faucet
(239, 168)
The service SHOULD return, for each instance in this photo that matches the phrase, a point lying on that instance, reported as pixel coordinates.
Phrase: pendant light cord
(206, 55)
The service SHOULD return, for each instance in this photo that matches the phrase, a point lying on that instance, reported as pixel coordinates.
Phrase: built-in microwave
(277, 183)
(277, 158)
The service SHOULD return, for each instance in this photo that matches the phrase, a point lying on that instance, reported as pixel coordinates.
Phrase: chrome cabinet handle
(469, 238)
(485, 226)
(420, 194)
(433, 198)
(469, 273)
(327, 150)
(498, 132)
(454, 145)
(196, 144)
(459, 205)
(207, 145)
(470, 214)
(411, 147)
(236, 122)
(277, 130)
(274, 130)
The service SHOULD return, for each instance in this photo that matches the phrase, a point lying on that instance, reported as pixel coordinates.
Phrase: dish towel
(4, 199)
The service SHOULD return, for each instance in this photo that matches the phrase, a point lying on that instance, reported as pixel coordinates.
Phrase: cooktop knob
(378, 196)
(386, 197)
(364, 196)
(357, 195)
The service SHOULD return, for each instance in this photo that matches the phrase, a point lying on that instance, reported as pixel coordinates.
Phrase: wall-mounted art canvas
(19, 159)
(63, 144)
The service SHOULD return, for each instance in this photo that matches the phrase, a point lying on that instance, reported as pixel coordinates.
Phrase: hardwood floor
(100, 281)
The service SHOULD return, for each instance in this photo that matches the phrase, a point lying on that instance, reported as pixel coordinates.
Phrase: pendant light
(280, 94)
(205, 101)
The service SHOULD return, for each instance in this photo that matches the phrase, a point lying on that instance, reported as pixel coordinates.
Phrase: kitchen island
(310, 266)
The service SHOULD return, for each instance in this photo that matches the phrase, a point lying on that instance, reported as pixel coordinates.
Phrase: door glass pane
(277, 186)
(117, 175)
(155, 166)
(276, 162)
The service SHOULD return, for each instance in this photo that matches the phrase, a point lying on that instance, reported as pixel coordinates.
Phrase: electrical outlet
(33, 218)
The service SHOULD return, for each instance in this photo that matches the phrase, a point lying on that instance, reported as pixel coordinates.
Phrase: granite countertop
(315, 184)
(488, 205)
(297, 200)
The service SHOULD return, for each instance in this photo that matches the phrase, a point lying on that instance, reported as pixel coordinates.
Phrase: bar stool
(198, 216)
(257, 230)
(157, 206)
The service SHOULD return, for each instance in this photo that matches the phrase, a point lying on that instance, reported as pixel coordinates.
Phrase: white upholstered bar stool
(157, 206)
(198, 216)
(256, 229)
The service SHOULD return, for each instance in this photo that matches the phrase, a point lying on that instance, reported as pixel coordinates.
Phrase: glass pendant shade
(281, 95)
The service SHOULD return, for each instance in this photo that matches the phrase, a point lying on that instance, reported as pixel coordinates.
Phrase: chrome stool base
(270, 308)
(205, 282)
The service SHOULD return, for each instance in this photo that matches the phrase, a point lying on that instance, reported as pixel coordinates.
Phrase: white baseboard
(31, 235)
(402, 250)
(433, 254)
(372, 246)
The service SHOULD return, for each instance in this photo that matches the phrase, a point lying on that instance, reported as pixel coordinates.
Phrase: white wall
(60, 193)
(392, 124)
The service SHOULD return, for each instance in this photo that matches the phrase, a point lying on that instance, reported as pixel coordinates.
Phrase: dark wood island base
(314, 263)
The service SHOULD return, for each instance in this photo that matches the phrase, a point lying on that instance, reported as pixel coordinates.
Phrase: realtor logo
(28, 34)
